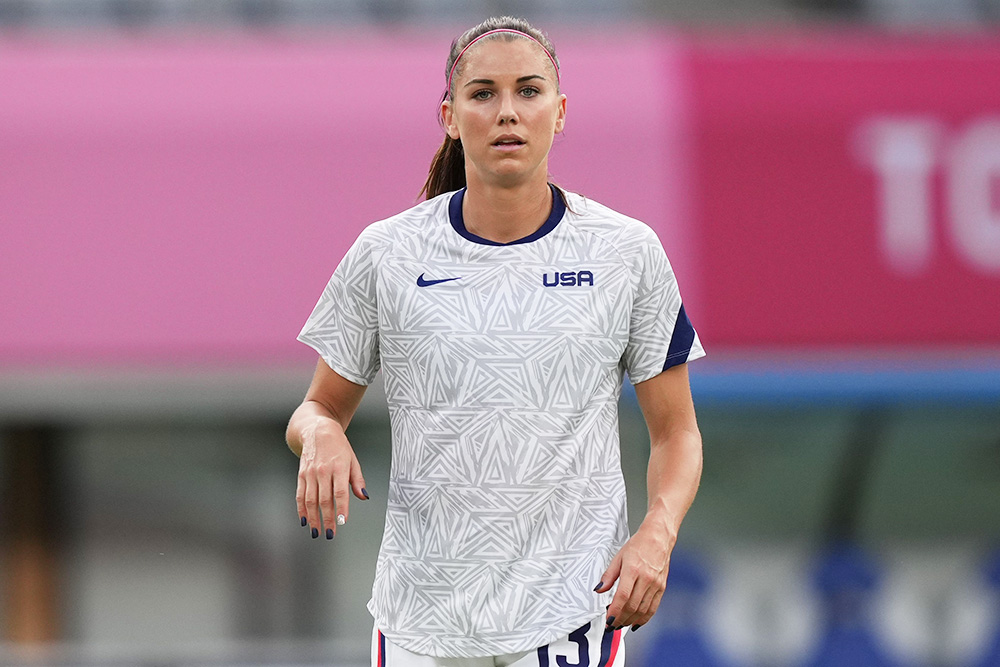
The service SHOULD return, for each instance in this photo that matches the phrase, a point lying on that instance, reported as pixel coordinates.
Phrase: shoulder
(419, 219)
(627, 236)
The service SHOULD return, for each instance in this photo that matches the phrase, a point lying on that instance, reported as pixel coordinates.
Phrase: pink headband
(493, 32)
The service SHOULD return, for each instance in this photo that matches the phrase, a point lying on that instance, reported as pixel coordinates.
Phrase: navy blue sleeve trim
(680, 341)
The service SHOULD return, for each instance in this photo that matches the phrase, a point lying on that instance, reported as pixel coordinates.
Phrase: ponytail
(447, 170)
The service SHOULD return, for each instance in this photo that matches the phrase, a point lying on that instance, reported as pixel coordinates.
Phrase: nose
(507, 113)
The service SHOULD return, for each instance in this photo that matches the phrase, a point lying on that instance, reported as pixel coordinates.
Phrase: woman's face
(506, 110)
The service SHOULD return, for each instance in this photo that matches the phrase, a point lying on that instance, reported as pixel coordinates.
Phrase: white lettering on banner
(973, 168)
(904, 153)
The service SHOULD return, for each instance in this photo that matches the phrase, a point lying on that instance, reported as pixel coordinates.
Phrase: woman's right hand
(327, 464)
(327, 469)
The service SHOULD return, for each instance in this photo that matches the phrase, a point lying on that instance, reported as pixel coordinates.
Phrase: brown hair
(447, 170)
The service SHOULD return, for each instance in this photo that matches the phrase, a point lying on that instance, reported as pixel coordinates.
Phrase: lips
(508, 140)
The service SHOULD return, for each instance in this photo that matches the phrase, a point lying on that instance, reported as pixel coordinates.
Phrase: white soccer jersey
(503, 366)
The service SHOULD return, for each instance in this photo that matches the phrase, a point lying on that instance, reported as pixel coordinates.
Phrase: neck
(505, 214)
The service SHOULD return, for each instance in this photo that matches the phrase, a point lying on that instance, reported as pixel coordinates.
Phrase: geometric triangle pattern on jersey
(503, 367)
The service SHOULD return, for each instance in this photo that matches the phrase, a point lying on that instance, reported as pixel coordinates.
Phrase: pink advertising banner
(183, 202)
(848, 191)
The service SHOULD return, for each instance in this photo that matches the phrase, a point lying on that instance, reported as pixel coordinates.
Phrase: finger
(654, 604)
(617, 611)
(341, 495)
(358, 481)
(312, 502)
(628, 615)
(631, 604)
(646, 606)
(300, 498)
(610, 575)
(325, 481)
(643, 612)
(637, 589)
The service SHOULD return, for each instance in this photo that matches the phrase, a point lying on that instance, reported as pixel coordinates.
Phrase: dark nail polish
(600, 584)
(304, 522)
(315, 533)
(609, 622)
(636, 627)
(364, 492)
(329, 533)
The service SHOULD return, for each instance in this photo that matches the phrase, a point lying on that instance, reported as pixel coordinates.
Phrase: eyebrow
(491, 82)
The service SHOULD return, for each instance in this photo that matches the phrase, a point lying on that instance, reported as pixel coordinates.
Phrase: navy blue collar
(458, 222)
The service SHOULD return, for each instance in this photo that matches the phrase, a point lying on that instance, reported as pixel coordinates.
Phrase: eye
(481, 94)
(529, 91)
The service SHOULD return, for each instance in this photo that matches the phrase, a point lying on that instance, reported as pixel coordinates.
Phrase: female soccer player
(504, 312)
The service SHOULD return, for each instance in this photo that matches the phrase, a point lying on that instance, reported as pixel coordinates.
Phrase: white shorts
(587, 646)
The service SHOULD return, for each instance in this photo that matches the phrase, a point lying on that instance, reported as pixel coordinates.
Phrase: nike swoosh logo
(421, 282)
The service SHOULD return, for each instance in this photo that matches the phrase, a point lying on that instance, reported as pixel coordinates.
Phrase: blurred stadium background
(180, 177)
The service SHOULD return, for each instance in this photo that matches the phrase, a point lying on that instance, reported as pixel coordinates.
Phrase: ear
(448, 117)
(561, 118)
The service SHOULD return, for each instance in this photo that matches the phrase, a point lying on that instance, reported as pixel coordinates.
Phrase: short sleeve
(660, 333)
(343, 327)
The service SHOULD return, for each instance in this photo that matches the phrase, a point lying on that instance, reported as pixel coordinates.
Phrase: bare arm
(675, 457)
(327, 464)
(675, 461)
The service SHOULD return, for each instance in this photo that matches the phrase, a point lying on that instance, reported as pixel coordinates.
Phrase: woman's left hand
(641, 570)
(640, 567)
